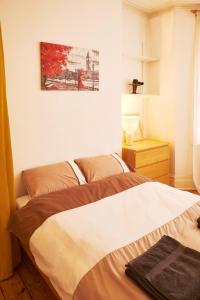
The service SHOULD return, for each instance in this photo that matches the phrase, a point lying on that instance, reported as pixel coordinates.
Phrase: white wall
(167, 114)
(51, 126)
(161, 108)
(134, 44)
(184, 54)
(170, 114)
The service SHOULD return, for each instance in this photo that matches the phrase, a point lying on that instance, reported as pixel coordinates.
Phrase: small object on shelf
(135, 83)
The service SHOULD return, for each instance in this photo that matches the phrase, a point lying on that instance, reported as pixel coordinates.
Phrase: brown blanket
(165, 270)
(26, 220)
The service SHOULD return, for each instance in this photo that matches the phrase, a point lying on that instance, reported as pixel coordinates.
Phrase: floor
(25, 284)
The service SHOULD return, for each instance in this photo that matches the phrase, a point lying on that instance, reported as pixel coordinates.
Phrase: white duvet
(67, 245)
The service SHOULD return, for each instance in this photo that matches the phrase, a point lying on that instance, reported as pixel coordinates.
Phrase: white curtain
(196, 142)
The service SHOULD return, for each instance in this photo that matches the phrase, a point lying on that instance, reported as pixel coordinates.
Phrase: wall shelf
(146, 69)
(141, 95)
(147, 59)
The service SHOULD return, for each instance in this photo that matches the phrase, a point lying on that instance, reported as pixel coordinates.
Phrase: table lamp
(131, 128)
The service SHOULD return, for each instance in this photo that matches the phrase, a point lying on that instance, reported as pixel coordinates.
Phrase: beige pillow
(49, 178)
(99, 167)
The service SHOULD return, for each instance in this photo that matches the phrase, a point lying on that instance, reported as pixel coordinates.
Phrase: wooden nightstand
(149, 158)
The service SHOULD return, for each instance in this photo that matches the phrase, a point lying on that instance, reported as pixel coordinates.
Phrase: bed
(81, 237)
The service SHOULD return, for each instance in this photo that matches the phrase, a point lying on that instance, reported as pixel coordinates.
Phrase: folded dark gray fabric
(167, 271)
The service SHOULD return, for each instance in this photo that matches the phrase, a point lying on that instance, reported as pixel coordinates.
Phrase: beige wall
(161, 108)
(51, 126)
(170, 114)
(134, 44)
(184, 56)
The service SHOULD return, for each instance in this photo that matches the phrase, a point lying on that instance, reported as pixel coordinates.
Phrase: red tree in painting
(53, 60)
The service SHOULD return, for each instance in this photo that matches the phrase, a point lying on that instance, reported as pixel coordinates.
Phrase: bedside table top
(146, 144)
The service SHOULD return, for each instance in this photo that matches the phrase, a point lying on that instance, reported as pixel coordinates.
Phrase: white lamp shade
(130, 123)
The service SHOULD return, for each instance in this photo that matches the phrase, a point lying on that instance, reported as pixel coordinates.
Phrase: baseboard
(184, 183)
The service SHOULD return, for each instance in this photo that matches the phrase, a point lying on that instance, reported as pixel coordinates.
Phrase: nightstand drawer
(152, 156)
(155, 170)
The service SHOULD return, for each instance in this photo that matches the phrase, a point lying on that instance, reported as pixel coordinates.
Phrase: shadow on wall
(20, 188)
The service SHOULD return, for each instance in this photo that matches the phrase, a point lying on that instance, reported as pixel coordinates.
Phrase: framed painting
(69, 68)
